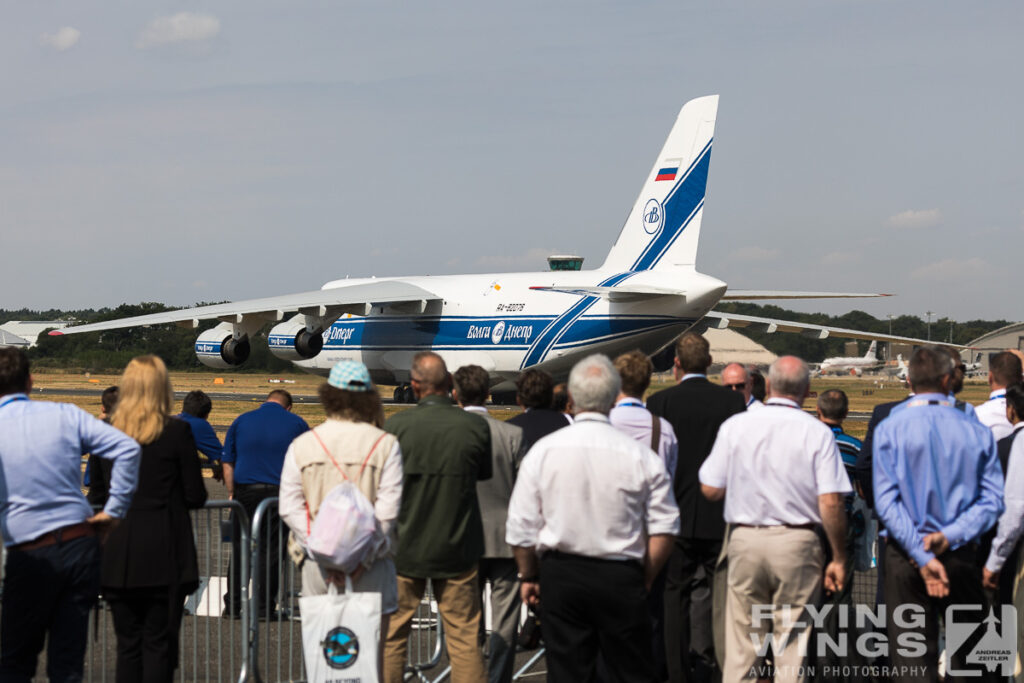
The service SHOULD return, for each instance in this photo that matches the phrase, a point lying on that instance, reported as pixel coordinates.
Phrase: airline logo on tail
(683, 202)
(654, 216)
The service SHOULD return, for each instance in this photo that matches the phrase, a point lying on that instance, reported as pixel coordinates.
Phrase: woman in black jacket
(149, 559)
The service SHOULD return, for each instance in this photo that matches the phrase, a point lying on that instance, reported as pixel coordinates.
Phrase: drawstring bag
(341, 635)
(345, 529)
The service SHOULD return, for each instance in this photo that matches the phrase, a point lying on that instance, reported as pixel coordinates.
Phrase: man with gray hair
(938, 487)
(592, 521)
(781, 476)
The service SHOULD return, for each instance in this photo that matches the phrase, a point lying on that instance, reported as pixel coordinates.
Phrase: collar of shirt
(782, 402)
(751, 401)
(926, 399)
(692, 375)
(998, 393)
(591, 417)
(630, 401)
(435, 399)
(480, 410)
(836, 429)
(11, 398)
(1019, 425)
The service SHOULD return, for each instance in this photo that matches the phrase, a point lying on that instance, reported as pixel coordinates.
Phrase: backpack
(345, 529)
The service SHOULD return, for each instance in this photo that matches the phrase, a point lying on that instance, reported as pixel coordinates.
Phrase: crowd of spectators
(658, 540)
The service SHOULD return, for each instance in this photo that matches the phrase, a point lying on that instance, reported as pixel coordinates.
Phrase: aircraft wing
(755, 294)
(720, 321)
(321, 302)
(624, 293)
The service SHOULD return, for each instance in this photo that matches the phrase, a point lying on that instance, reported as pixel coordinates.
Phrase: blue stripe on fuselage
(468, 332)
(555, 330)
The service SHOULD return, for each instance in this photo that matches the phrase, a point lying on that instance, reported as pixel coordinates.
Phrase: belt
(808, 526)
(559, 555)
(61, 535)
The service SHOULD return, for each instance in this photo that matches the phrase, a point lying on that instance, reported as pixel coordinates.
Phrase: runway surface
(296, 398)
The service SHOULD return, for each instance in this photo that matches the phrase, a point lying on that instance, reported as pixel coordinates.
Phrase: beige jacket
(314, 465)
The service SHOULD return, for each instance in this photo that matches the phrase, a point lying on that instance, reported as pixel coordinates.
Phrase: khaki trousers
(777, 568)
(458, 601)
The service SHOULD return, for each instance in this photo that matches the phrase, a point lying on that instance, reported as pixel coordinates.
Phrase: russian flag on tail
(668, 169)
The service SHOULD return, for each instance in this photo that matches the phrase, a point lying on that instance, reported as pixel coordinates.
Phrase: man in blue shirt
(195, 409)
(254, 451)
(938, 487)
(833, 406)
(52, 577)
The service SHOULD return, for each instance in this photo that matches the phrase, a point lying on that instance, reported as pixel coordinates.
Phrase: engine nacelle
(291, 340)
(218, 348)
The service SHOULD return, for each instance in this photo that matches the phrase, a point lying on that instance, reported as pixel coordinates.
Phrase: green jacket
(445, 451)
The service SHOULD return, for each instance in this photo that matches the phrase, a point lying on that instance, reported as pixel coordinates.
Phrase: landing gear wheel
(408, 396)
(397, 395)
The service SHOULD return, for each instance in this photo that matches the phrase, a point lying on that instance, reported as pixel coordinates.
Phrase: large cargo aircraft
(645, 295)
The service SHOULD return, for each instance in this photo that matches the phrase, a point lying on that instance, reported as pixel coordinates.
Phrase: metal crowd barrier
(211, 648)
(275, 635)
(267, 647)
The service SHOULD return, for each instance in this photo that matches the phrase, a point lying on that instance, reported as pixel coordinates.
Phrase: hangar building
(729, 346)
(8, 339)
(1009, 337)
(29, 330)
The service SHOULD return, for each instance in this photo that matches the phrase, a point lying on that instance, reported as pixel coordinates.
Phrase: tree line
(111, 350)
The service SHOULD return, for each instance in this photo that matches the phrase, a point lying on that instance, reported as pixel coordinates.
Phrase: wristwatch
(527, 579)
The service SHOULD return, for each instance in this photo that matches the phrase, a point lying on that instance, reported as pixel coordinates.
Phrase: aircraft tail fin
(664, 226)
(871, 351)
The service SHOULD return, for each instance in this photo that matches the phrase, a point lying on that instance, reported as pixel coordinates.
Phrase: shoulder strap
(655, 432)
(335, 462)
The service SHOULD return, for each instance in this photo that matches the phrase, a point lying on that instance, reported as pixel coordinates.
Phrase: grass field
(864, 392)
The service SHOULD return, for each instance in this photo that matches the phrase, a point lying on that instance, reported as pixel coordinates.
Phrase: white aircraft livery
(645, 295)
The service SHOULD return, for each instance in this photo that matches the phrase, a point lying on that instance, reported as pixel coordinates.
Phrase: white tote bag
(341, 635)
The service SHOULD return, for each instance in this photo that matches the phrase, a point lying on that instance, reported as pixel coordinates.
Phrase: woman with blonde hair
(351, 446)
(149, 560)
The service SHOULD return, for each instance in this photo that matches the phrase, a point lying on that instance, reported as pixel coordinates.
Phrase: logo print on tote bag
(341, 648)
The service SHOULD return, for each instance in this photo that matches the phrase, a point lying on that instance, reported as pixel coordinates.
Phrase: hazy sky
(192, 152)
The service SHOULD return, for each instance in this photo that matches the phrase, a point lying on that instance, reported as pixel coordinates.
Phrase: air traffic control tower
(565, 262)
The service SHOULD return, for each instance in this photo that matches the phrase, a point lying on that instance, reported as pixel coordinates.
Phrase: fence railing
(259, 645)
(210, 648)
(275, 635)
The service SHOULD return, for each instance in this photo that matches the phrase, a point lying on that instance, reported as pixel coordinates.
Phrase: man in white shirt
(737, 378)
(781, 475)
(630, 415)
(592, 521)
(1004, 369)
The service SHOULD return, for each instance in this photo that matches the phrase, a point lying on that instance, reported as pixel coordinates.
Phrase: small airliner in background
(853, 365)
(644, 296)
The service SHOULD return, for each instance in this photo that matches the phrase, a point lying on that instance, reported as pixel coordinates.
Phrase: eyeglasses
(736, 387)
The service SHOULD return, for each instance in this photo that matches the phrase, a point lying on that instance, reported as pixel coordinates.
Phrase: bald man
(445, 451)
(737, 378)
(780, 474)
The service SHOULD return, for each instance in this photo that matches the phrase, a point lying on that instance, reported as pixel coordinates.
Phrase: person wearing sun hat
(349, 445)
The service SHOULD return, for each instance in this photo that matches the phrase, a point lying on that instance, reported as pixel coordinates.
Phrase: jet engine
(218, 348)
(291, 340)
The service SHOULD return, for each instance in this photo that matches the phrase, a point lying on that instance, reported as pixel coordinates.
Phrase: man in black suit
(696, 408)
(534, 393)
